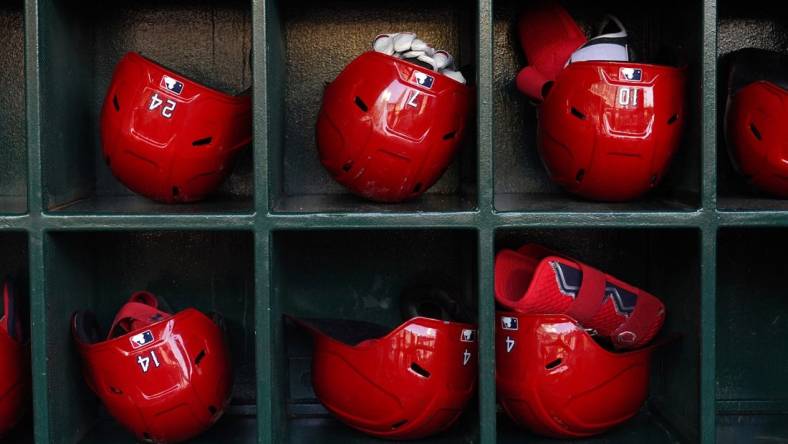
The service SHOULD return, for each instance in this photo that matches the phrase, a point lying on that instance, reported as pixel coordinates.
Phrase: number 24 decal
(144, 361)
(156, 102)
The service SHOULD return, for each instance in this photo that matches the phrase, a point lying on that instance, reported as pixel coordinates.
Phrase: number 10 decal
(156, 102)
(144, 362)
(628, 96)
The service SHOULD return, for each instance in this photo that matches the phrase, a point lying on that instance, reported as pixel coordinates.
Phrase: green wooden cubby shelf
(281, 237)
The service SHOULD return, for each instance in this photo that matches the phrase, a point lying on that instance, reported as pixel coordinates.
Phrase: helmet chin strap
(406, 45)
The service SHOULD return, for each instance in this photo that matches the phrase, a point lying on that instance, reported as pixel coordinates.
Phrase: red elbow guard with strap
(535, 280)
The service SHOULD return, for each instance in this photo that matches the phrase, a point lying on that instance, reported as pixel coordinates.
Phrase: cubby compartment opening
(81, 43)
(309, 44)
(752, 319)
(668, 33)
(14, 267)
(13, 140)
(356, 275)
(98, 271)
(666, 263)
(759, 24)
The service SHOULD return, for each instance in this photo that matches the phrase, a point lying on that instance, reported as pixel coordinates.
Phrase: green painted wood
(495, 196)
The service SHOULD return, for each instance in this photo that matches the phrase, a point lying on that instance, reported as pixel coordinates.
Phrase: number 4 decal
(156, 102)
(144, 361)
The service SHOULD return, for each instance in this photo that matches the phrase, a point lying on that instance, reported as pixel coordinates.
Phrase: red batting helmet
(553, 378)
(165, 377)
(757, 112)
(15, 375)
(388, 128)
(167, 137)
(607, 130)
(408, 383)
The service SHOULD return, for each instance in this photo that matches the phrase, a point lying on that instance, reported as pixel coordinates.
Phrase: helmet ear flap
(85, 327)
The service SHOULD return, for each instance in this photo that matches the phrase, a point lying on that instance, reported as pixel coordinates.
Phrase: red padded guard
(548, 36)
(140, 311)
(638, 323)
(590, 296)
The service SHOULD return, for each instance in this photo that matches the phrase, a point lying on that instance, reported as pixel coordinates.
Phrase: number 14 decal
(144, 361)
(156, 102)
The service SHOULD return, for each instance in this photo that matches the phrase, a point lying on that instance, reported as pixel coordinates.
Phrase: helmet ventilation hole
(212, 409)
(361, 105)
(553, 364)
(673, 119)
(199, 357)
(419, 370)
(417, 188)
(450, 135)
(580, 174)
(547, 87)
(399, 424)
(755, 132)
(578, 114)
(654, 180)
(115, 103)
(146, 437)
(176, 191)
(115, 390)
(347, 166)
(203, 141)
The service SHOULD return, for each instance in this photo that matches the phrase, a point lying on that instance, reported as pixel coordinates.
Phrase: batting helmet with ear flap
(608, 130)
(165, 377)
(167, 137)
(756, 116)
(15, 377)
(407, 383)
(553, 378)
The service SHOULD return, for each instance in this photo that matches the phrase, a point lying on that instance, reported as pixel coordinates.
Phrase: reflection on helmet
(409, 383)
(167, 137)
(166, 378)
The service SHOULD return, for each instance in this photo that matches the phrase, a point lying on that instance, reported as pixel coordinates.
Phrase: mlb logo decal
(468, 335)
(422, 79)
(631, 74)
(141, 339)
(172, 85)
(508, 323)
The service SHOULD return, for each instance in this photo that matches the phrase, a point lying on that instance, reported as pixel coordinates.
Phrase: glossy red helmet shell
(409, 383)
(167, 378)
(608, 130)
(167, 137)
(756, 117)
(554, 379)
(388, 128)
(15, 377)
